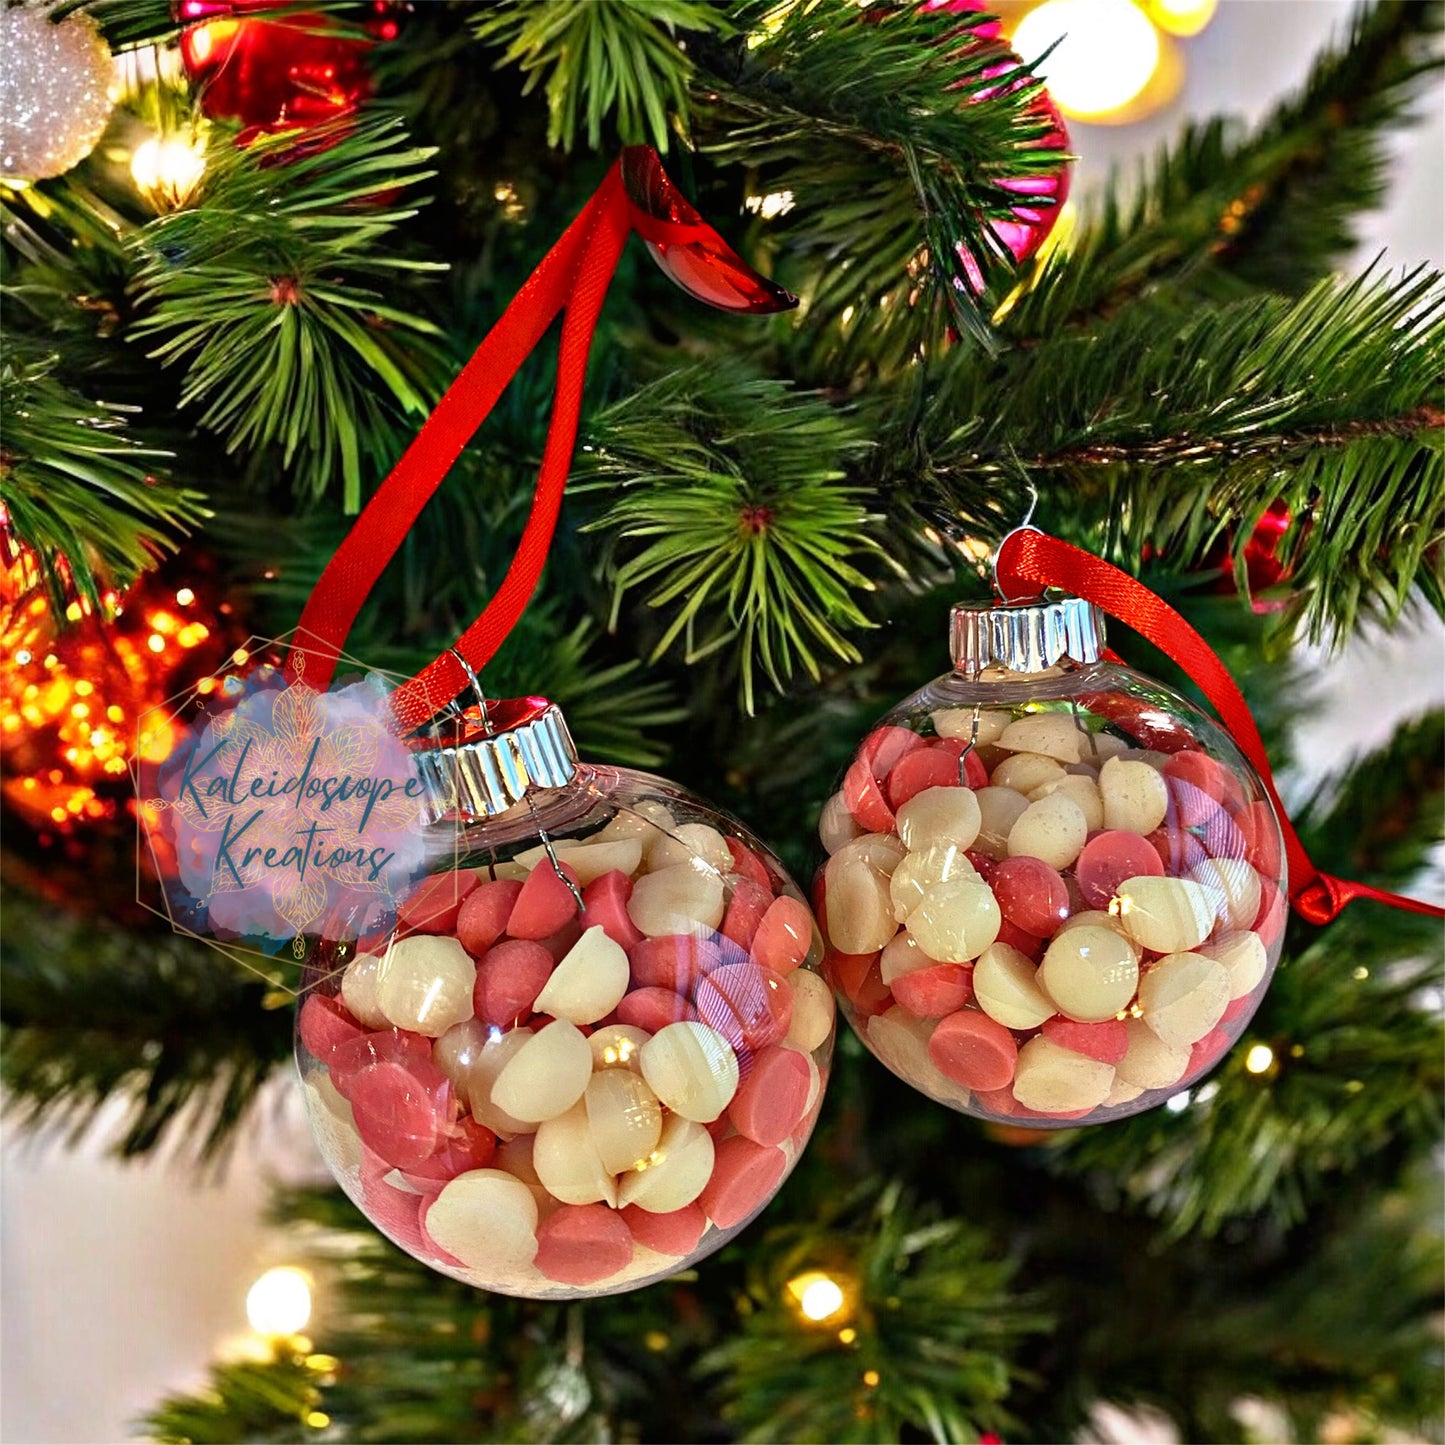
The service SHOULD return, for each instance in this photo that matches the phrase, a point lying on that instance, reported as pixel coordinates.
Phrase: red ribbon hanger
(636, 195)
(1030, 560)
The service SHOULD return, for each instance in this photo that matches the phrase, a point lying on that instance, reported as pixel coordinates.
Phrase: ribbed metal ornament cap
(479, 769)
(1025, 636)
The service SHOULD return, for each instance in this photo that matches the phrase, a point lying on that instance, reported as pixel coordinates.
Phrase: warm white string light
(279, 1303)
(1105, 52)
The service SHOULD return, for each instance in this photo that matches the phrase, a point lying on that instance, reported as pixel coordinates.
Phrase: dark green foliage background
(1160, 384)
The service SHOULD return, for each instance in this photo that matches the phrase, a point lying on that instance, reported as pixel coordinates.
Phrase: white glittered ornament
(54, 92)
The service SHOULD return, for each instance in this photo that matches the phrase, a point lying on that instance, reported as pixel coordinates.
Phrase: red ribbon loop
(1030, 560)
(635, 195)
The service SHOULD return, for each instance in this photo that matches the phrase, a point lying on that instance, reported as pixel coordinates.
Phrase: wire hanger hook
(477, 692)
(1027, 525)
(552, 858)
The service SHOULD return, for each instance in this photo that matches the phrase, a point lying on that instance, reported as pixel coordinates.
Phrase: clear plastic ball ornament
(1055, 889)
(596, 1042)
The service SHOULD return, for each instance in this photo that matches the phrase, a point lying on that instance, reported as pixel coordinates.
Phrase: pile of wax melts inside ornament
(537, 1099)
(1032, 918)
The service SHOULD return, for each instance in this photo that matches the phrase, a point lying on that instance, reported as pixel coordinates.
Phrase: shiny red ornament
(296, 69)
(989, 30)
(1263, 566)
(689, 251)
(1041, 197)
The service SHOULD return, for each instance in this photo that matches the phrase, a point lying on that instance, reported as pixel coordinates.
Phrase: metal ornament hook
(491, 731)
(477, 692)
(1027, 525)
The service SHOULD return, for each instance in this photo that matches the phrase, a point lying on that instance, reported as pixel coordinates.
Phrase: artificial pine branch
(933, 1316)
(731, 508)
(1325, 1331)
(1373, 819)
(91, 1014)
(614, 710)
(270, 290)
(245, 1402)
(1301, 223)
(1184, 428)
(604, 61)
(128, 24)
(78, 490)
(934, 1307)
(888, 130)
(443, 1362)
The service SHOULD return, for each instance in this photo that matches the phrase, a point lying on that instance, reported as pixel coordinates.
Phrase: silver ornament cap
(482, 766)
(1025, 636)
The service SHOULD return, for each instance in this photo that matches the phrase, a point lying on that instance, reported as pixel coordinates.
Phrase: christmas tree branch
(270, 291)
(77, 488)
(1186, 427)
(936, 1314)
(1271, 208)
(883, 136)
(127, 24)
(730, 509)
(603, 61)
(249, 1401)
(1372, 820)
(933, 1306)
(153, 1018)
(1301, 222)
(1324, 1330)
(447, 568)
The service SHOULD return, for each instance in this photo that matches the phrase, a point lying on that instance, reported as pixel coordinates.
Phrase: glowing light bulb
(819, 1297)
(1107, 50)
(279, 1303)
(1182, 17)
(167, 169)
(1259, 1058)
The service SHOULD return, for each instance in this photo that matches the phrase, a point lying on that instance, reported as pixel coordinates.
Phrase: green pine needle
(603, 60)
(934, 1314)
(169, 1026)
(891, 129)
(271, 292)
(613, 709)
(732, 513)
(1186, 426)
(78, 490)
(1272, 207)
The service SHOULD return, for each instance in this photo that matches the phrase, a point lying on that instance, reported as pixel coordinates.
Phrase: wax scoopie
(597, 1039)
(1055, 890)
